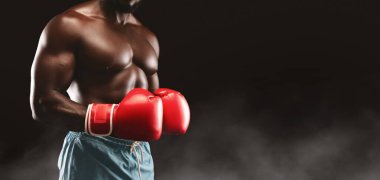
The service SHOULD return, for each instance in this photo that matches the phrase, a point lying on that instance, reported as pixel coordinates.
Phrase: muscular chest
(106, 48)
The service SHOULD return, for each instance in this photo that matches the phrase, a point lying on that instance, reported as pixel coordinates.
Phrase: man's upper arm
(153, 82)
(153, 79)
(53, 65)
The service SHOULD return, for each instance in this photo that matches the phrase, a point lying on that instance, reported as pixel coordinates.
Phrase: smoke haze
(279, 90)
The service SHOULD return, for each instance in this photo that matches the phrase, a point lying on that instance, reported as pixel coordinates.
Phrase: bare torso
(95, 56)
(111, 59)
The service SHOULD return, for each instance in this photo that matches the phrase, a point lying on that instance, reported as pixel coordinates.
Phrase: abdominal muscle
(106, 87)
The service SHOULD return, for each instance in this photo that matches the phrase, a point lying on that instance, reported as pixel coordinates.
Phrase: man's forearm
(57, 110)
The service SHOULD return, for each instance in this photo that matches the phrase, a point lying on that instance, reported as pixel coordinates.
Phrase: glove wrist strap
(99, 119)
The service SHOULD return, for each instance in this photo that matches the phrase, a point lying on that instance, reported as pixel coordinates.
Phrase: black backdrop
(278, 89)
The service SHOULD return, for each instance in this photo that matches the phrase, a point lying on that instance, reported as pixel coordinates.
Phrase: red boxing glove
(138, 117)
(176, 111)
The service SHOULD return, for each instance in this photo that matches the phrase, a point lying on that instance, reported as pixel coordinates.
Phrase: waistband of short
(107, 139)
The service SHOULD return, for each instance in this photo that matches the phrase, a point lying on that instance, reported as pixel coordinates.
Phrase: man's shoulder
(69, 19)
(145, 30)
(149, 35)
(68, 24)
(64, 28)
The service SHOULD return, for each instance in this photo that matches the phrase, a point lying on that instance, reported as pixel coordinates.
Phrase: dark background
(279, 90)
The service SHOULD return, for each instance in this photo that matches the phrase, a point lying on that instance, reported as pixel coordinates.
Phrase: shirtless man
(90, 58)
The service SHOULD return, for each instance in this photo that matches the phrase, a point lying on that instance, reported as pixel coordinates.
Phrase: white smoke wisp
(220, 147)
(221, 144)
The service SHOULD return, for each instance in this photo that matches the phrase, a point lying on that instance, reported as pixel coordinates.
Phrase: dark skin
(93, 52)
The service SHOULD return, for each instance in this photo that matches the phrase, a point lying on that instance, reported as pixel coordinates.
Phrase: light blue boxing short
(86, 157)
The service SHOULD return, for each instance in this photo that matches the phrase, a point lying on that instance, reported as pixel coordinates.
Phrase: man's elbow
(35, 116)
(39, 108)
(37, 112)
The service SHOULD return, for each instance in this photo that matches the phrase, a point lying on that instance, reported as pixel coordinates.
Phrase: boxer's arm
(52, 73)
(153, 82)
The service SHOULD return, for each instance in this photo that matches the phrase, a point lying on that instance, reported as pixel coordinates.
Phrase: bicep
(51, 74)
(153, 80)
(53, 65)
(52, 71)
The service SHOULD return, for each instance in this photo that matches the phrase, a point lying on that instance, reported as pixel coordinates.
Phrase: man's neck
(114, 14)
